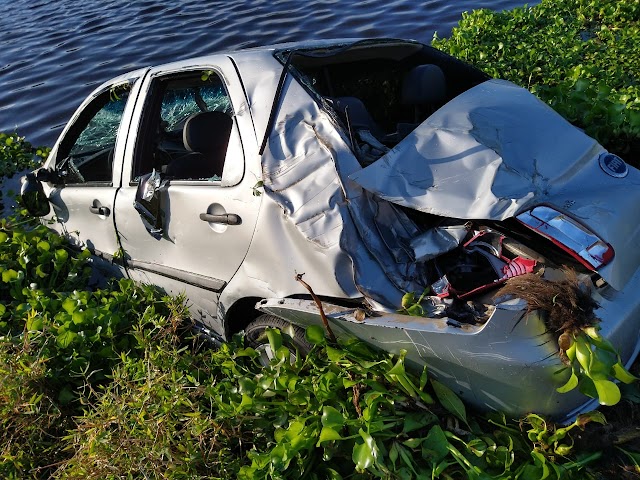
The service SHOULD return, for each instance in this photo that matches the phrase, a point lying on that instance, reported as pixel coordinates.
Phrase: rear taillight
(570, 235)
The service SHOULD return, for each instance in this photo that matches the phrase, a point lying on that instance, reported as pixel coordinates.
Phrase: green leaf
(331, 417)
(246, 385)
(69, 305)
(623, 374)
(334, 354)
(61, 255)
(570, 385)
(449, 400)
(275, 339)
(415, 420)
(78, 317)
(364, 454)
(393, 453)
(315, 335)
(66, 338)
(587, 387)
(35, 323)
(563, 449)
(328, 434)
(408, 299)
(398, 368)
(423, 378)
(436, 446)
(9, 275)
(40, 272)
(583, 353)
(415, 310)
(65, 396)
(413, 442)
(608, 392)
(593, 416)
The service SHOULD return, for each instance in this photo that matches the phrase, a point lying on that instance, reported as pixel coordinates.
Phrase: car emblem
(613, 165)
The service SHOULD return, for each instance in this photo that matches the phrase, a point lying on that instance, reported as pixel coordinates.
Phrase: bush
(580, 56)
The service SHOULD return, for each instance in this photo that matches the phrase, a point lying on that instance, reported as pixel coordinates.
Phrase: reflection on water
(54, 52)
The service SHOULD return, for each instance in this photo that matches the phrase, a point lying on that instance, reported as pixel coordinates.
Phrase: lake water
(54, 52)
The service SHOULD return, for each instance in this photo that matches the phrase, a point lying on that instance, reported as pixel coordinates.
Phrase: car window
(85, 154)
(188, 128)
(178, 103)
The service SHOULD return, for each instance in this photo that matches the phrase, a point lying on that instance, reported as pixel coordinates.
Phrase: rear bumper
(509, 364)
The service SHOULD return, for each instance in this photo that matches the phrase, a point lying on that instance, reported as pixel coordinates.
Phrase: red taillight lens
(570, 235)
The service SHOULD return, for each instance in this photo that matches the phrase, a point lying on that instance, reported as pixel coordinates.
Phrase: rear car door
(193, 133)
(88, 160)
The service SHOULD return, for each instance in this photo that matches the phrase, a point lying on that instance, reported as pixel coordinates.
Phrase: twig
(357, 388)
(325, 321)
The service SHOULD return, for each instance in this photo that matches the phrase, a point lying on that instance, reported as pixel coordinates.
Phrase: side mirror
(148, 203)
(33, 196)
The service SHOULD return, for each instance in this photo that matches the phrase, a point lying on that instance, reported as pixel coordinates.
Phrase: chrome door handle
(226, 219)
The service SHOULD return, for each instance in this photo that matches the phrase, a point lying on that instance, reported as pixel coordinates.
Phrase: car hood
(495, 151)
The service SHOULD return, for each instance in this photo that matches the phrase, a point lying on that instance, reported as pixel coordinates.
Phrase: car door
(194, 129)
(88, 161)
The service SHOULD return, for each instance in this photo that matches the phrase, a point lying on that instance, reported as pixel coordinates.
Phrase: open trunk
(455, 171)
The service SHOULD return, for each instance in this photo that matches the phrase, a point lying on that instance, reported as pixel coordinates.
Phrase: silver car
(376, 168)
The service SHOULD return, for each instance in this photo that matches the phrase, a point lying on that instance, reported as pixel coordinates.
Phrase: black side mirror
(148, 203)
(33, 196)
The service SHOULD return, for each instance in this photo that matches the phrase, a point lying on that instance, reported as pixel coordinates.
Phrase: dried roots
(567, 303)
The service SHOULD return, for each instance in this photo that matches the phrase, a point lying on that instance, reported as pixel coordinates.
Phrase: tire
(256, 338)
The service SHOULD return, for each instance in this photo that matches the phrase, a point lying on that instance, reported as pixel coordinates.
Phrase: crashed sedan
(383, 170)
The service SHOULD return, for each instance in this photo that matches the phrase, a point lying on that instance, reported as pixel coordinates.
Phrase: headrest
(206, 131)
(353, 108)
(424, 84)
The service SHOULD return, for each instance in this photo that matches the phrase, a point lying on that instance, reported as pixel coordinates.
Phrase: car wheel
(292, 337)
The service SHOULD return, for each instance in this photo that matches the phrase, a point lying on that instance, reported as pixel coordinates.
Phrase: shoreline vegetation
(107, 383)
(579, 56)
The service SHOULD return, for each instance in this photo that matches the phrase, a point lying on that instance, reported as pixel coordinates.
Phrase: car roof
(268, 51)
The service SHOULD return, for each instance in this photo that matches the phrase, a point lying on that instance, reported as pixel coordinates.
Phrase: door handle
(97, 209)
(226, 219)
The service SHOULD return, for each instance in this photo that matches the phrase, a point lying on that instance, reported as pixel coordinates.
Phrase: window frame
(152, 106)
(85, 114)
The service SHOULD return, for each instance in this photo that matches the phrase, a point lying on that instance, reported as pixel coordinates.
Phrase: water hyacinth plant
(580, 56)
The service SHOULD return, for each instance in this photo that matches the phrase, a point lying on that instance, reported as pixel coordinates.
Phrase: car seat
(423, 90)
(356, 115)
(206, 136)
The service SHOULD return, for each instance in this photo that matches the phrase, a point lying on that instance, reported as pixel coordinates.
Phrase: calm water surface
(54, 52)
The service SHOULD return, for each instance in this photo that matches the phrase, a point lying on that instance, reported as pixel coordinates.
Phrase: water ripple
(54, 52)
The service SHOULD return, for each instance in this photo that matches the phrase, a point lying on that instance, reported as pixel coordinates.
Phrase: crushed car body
(376, 168)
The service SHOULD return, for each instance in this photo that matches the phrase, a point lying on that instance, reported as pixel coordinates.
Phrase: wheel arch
(240, 314)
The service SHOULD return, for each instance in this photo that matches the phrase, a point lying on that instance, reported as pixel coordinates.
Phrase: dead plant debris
(567, 303)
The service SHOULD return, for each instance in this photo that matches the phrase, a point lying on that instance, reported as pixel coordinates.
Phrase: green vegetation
(16, 154)
(580, 56)
(105, 383)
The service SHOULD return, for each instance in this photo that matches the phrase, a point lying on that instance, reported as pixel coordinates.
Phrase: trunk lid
(495, 151)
